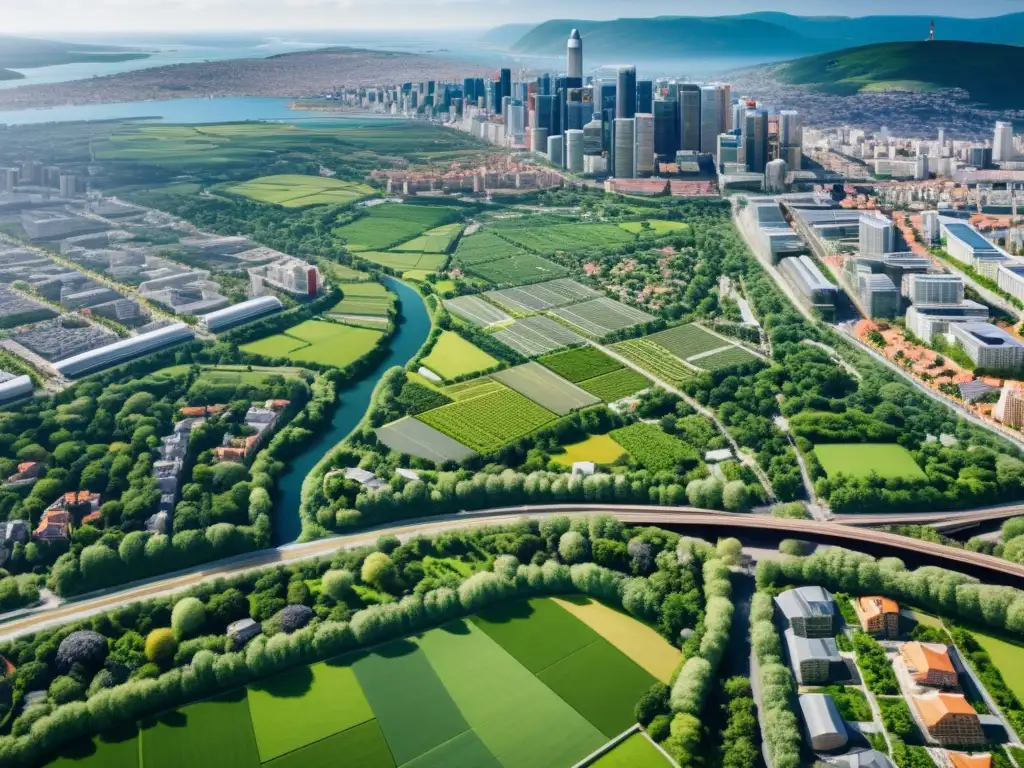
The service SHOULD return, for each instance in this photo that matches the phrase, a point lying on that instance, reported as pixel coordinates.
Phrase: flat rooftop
(968, 235)
(989, 335)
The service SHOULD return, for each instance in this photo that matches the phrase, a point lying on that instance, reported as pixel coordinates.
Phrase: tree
(735, 497)
(378, 570)
(572, 547)
(161, 646)
(337, 583)
(85, 648)
(729, 551)
(188, 617)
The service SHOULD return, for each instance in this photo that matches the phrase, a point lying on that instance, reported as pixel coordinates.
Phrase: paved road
(634, 514)
(943, 521)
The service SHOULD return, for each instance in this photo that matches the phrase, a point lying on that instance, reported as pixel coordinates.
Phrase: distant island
(6, 74)
(988, 72)
(29, 53)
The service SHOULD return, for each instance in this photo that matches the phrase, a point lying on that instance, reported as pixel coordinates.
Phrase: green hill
(990, 73)
(26, 53)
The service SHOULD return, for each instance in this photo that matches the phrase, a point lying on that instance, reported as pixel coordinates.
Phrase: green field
(403, 262)
(616, 385)
(578, 365)
(483, 246)
(385, 226)
(296, 191)
(1007, 658)
(437, 240)
(519, 269)
(654, 227)
(652, 358)
(316, 341)
(216, 733)
(654, 449)
(232, 374)
(453, 356)
(635, 752)
(685, 341)
(363, 299)
(861, 459)
(490, 421)
(600, 449)
(342, 273)
(555, 238)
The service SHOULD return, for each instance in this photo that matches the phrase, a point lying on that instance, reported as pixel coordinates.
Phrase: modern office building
(815, 660)
(574, 62)
(625, 93)
(877, 236)
(934, 289)
(556, 150)
(808, 611)
(643, 158)
(1002, 143)
(515, 120)
(730, 149)
(689, 117)
(229, 317)
(989, 346)
(624, 141)
(539, 140)
(808, 279)
(1010, 277)
(930, 230)
(823, 725)
(644, 96)
(709, 127)
(575, 141)
(505, 89)
(879, 296)
(965, 244)
(666, 129)
(775, 174)
(123, 350)
(593, 138)
(926, 321)
(755, 140)
(791, 138)
(290, 275)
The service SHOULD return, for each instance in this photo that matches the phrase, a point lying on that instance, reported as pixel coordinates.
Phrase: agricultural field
(725, 358)
(341, 273)
(1006, 656)
(685, 341)
(861, 459)
(636, 751)
(402, 262)
(538, 335)
(600, 449)
(578, 365)
(317, 341)
(546, 388)
(483, 246)
(599, 317)
(472, 388)
(555, 238)
(437, 240)
(371, 299)
(616, 385)
(490, 421)
(654, 449)
(657, 227)
(453, 356)
(418, 439)
(540, 296)
(519, 269)
(476, 310)
(385, 226)
(297, 191)
(652, 358)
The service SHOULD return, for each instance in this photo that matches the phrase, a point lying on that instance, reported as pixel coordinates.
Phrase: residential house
(27, 474)
(16, 531)
(823, 724)
(808, 611)
(949, 718)
(55, 525)
(814, 660)
(878, 616)
(963, 760)
(262, 421)
(929, 664)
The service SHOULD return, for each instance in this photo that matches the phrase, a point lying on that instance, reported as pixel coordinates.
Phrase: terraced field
(490, 421)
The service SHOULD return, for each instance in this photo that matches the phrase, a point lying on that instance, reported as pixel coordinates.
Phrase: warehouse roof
(821, 715)
(806, 602)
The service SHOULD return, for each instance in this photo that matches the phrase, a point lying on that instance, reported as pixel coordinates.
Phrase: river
(411, 334)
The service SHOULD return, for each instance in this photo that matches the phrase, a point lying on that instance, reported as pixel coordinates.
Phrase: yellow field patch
(600, 449)
(635, 639)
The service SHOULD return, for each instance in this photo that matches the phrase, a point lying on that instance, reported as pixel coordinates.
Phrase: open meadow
(861, 459)
(296, 191)
(316, 341)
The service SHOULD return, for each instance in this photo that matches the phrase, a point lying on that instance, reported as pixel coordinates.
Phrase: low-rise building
(929, 664)
(823, 725)
(808, 611)
(878, 616)
(868, 758)
(989, 346)
(814, 660)
(27, 474)
(949, 718)
(964, 760)
(926, 321)
(242, 631)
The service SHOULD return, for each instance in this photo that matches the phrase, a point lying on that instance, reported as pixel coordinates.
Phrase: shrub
(161, 646)
(660, 728)
(188, 617)
(692, 686)
(572, 547)
(337, 583)
(378, 570)
(83, 647)
(65, 689)
(289, 619)
(653, 703)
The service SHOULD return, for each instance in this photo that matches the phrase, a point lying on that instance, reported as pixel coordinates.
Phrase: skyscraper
(644, 96)
(790, 138)
(709, 123)
(574, 150)
(1002, 145)
(505, 89)
(593, 138)
(643, 153)
(625, 93)
(689, 117)
(575, 55)
(666, 129)
(755, 140)
(623, 138)
(724, 111)
(543, 115)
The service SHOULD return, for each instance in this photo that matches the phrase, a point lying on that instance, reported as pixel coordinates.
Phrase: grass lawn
(1007, 657)
(121, 751)
(635, 752)
(453, 356)
(318, 341)
(363, 746)
(520, 720)
(215, 732)
(637, 640)
(537, 632)
(861, 459)
(601, 684)
(305, 705)
(297, 191)
(599, 449)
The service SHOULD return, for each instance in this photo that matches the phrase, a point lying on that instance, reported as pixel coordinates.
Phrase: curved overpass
(680, 518)
(942, 521)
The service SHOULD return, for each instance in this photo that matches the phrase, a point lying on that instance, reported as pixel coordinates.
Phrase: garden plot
(518, 269)
(418, 439)
(533, 298)
(616, 385)
(655, 360)
(476, 310)
(578, 365)
(701, 348)
(537, 336)
(600, 317)
(546, 388)
(453, 356)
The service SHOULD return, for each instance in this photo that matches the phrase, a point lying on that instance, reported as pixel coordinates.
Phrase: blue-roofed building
(989, 346)
(966, 244)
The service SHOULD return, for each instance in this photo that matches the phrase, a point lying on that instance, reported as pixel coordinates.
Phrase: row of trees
(781, 731)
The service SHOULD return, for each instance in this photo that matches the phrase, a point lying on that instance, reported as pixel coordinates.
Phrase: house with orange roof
(949, 718)
(229, 453)
(963, 760)
(28, 472)
(878, 616)
(55, 525)
(929, 664)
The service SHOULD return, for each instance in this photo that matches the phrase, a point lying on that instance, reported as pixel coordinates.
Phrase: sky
(51, 17)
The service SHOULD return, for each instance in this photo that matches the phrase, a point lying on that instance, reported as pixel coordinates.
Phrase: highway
(1001, 571)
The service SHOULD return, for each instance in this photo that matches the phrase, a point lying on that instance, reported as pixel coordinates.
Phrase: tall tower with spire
(575, 55)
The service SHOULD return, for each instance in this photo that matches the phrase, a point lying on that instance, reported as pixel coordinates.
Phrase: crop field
(483, 246)
(533, 298)
(600, 449)
(319, 342)
(685, 341)
(861, 459)
(453, 356)
(476, 310)
(401, 262)
(655, 227)
(517, 270)
(342, 273)
(578, 365)
(297, 191)
(600, 317)
(725, 358)
(418, 439)
(652, 358)
(546, 388)
(215, 732)
(436, 240)
(616, 385)
(363, 299)
(636, 751)
(538, 335)
(654, 449)
(472, 388)
(490, 421)
(547, 240)
(393, 223)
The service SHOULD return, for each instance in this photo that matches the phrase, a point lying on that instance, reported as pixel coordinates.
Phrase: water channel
(412, 332)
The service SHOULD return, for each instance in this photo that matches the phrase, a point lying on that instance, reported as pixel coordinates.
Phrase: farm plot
(437, 240)
(472, 388)
(453, 356)
(685, 341)
(418, 439)
(490, 421)
(533, 298)
(578, 365)
(316, 341)
(600, 317)
(655, 450)
(401, 262)
(363, 299)
(616, 385)
(546, 388)
(653, 359)
(483, 246)
(654, 227)
(476, 310)
(551, 239)
(215, 732)
(861, 459)
(537, 335)
(519, 269)
(600, 449)
(636, 751)
(724, 358)
(297, 191)
(388, 225)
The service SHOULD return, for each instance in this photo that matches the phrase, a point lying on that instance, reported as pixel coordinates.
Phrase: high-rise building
(791, 139)
(666, 129)
(775, 175)
(604, 98)
(755, 140)
(709, 122)
(930, 229)
(689, 117)
(593, 138)
(505, 89)
(8, 179)
(539, 140)
(643, 155)
(730, 149)
(1002, 145)
(877, 236)
(574, 64)
(556, 146)
(625, 93)
(724, 111)
(544, 114)
(68, 185)
(623, 139)
(644, 96)
(515, 119)
(575, 145)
